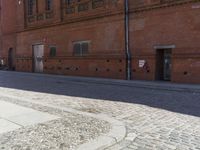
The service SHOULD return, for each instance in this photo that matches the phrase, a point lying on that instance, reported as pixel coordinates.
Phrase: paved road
(180, 102)
(154, 119)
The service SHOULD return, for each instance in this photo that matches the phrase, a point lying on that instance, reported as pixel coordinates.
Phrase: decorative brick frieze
(74, 11)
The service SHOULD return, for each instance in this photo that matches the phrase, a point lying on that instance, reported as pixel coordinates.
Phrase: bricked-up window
(52, 52)
(81, 48)
(30, 6)
(49, 5)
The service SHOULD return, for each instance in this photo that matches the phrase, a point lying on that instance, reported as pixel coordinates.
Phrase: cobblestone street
(96, 114)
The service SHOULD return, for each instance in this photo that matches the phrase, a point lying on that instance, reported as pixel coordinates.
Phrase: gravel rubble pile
(65, 133)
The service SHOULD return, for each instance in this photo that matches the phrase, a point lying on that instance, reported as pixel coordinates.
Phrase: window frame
(52, 52)
(49, 5)
(81, 51)
(30, 7)
(68, 2)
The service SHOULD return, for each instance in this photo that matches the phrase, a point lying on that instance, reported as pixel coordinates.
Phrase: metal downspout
(1, 32)
(128, 53)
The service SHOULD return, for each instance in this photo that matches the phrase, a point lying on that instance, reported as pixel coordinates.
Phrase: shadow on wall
(184, 103)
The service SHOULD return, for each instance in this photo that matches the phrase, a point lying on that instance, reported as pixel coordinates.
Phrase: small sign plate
(141, 63)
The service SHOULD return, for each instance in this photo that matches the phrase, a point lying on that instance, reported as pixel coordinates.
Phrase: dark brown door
(10, 59)
(167, 65)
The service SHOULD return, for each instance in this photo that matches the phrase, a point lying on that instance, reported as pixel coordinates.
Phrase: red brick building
(141, 39)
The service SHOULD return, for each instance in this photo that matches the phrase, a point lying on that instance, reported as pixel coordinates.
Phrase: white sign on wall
(141, 63)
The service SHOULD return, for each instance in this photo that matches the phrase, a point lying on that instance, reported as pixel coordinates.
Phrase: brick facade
(154, 26)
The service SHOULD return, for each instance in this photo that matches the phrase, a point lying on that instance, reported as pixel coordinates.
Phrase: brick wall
(106, 57)
(8, 28)
(152, 23)
(177, 25)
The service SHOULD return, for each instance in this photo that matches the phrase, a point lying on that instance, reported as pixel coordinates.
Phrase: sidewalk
(161, 85)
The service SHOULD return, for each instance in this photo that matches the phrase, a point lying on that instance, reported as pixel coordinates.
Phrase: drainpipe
(128, 53)
(1, 30)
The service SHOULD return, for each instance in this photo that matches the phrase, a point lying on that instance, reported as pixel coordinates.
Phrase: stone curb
(115, 135)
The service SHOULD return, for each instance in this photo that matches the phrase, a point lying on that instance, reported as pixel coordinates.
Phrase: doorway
(11, 59)
(163, 64)
(38, 53)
